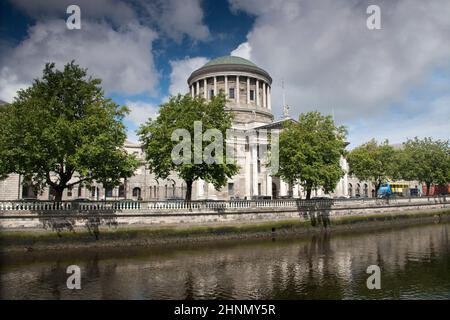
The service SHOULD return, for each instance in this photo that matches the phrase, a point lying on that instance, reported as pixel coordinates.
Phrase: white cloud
(121, 57)
(181, 70)
(177, 18)
(114, 10)
(9, 84)
(330, 60)
(244, 50)
(141, 111)
(433, 122)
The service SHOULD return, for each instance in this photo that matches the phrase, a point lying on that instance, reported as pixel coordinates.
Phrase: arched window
(137, 192)
(366, 190)
(358, 190)
(165, 191)
(350, 189)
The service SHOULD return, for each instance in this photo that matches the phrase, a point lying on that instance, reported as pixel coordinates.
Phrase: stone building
(248, 90)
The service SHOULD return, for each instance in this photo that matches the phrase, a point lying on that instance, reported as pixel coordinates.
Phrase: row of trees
(62, 132)
(424, 160)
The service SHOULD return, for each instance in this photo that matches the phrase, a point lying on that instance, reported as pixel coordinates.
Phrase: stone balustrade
(158, 206)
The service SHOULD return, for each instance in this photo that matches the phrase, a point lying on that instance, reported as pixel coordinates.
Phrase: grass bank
(29, 240)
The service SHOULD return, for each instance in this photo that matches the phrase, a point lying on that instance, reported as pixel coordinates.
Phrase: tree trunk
(58, 194)
(188, 190)
(308, 193)
(377, 187)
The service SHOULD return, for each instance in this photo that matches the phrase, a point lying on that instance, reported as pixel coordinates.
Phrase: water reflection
(415, 263)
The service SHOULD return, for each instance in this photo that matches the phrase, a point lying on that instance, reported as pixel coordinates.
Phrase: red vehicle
(437, 189)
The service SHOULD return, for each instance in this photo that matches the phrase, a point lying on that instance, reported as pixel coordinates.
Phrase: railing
(211, 204)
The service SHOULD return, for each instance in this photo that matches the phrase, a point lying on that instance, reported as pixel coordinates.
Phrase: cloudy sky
(391, 83)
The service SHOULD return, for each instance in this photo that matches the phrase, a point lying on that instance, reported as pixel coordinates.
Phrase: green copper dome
(230, 60)
(229, 64)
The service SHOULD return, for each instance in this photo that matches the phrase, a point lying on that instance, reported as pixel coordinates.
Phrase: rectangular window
(69, 191)
(109, 192)
(252, 95)
(259, 189)
(231, 93)
(231, 189)
(211, 93)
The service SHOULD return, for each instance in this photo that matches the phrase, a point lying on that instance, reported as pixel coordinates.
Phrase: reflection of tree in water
(224, 286)
(303, 278)
(324, 266)
(54, 277)
(189, 286)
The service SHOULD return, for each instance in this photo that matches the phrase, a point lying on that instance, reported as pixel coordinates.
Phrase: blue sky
(391, 83)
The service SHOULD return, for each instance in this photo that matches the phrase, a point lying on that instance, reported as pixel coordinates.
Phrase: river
(414, 262)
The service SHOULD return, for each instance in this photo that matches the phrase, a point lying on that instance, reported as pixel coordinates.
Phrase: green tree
(62, 131)
(427, 161)
(374, 162)
(180, 112)
(310, 152)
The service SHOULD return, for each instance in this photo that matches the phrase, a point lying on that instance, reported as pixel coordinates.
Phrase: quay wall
(67, 216)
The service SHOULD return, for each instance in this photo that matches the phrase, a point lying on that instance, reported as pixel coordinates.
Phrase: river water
(414, 262)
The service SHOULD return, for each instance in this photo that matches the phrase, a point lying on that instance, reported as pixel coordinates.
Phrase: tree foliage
(374, 162)
(310, 152)
(426, 160)
(180, 112)
(62, 131)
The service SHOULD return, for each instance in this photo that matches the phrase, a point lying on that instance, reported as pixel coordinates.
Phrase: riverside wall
(46, 215)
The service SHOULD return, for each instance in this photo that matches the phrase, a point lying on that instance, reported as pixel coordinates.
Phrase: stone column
(268, 185)
(269, 98)
(205, 87)
(237, 89)
(264, 95)
(215, 85)
(255, 169)
(226, 86)
(200, 189)
(192, 91)
(198, 89)
(257, 92)
(283, 188)
(248, 90)
(248, 172)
